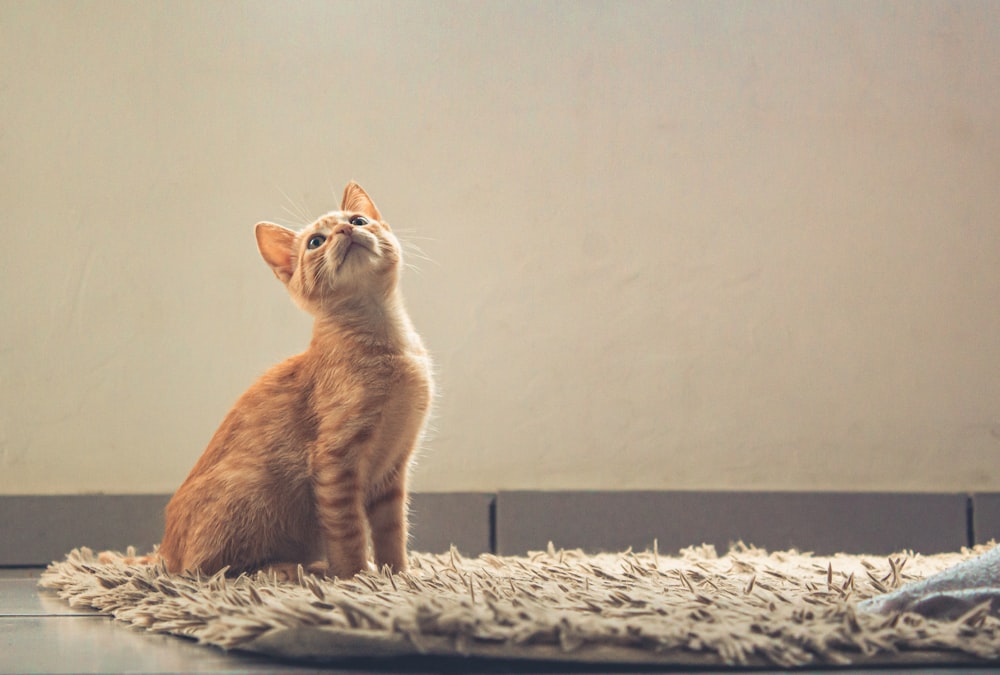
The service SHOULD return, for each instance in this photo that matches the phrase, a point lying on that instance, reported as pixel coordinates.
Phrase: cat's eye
(358, 221)
(315, 241)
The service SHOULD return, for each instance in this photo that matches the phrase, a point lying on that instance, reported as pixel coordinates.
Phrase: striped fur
(309, 467)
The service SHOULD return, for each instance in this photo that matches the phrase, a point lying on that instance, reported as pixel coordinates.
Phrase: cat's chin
(365, 241)
(355, 262)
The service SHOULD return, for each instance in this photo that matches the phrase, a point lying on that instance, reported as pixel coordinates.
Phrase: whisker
(412, 249)
(420, 255)
(298, 212)
(409, 234)
(422, 260)
(296, 222)
(408, 241)
(333, 193)
(409, 245)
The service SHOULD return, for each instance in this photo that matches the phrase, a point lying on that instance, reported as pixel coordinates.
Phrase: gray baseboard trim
(821, 522)
(36, 529)
(440, 520)
(984, 514)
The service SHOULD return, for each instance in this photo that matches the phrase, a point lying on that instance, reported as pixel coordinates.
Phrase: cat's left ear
(357, 200)
(276, 244)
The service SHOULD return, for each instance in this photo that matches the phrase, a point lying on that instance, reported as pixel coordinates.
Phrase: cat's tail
(129, 557)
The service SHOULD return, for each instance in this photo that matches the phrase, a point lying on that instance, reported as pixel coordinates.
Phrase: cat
(310, 465)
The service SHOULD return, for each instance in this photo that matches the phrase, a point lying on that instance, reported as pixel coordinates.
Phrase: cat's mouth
(362, 239)
(357, 240)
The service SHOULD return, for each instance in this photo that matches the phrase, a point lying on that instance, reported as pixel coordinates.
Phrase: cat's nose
(343, 228)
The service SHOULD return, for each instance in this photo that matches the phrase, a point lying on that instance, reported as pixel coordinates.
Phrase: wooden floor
(39, 633)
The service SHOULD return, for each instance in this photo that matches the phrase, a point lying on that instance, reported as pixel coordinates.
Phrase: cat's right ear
(276, 244)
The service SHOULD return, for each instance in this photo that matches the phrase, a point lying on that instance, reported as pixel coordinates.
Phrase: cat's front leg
(340, 511)
(387, 519)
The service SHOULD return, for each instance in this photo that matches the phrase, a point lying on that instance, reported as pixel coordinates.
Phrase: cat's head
(345, 255)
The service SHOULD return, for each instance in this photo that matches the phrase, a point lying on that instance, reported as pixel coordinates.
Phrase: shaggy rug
(746, 608)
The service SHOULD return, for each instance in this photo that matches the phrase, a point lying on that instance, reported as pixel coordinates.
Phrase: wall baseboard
(821, 522)
(36, 529)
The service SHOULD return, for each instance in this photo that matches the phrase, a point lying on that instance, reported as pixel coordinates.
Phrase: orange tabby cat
(311, 462)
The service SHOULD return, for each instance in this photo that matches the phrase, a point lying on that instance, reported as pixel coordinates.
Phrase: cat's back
(273, 416)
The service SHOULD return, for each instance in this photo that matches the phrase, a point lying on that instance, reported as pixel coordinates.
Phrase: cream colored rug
(746, 608)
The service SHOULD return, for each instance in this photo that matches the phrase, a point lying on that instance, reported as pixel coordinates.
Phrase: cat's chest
(371, 415)
(366, 386)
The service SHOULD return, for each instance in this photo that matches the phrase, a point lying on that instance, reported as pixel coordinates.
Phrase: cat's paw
(283, 571)
(318, 568)
(290, 571)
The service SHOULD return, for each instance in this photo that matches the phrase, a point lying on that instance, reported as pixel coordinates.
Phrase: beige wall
(672, 245)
